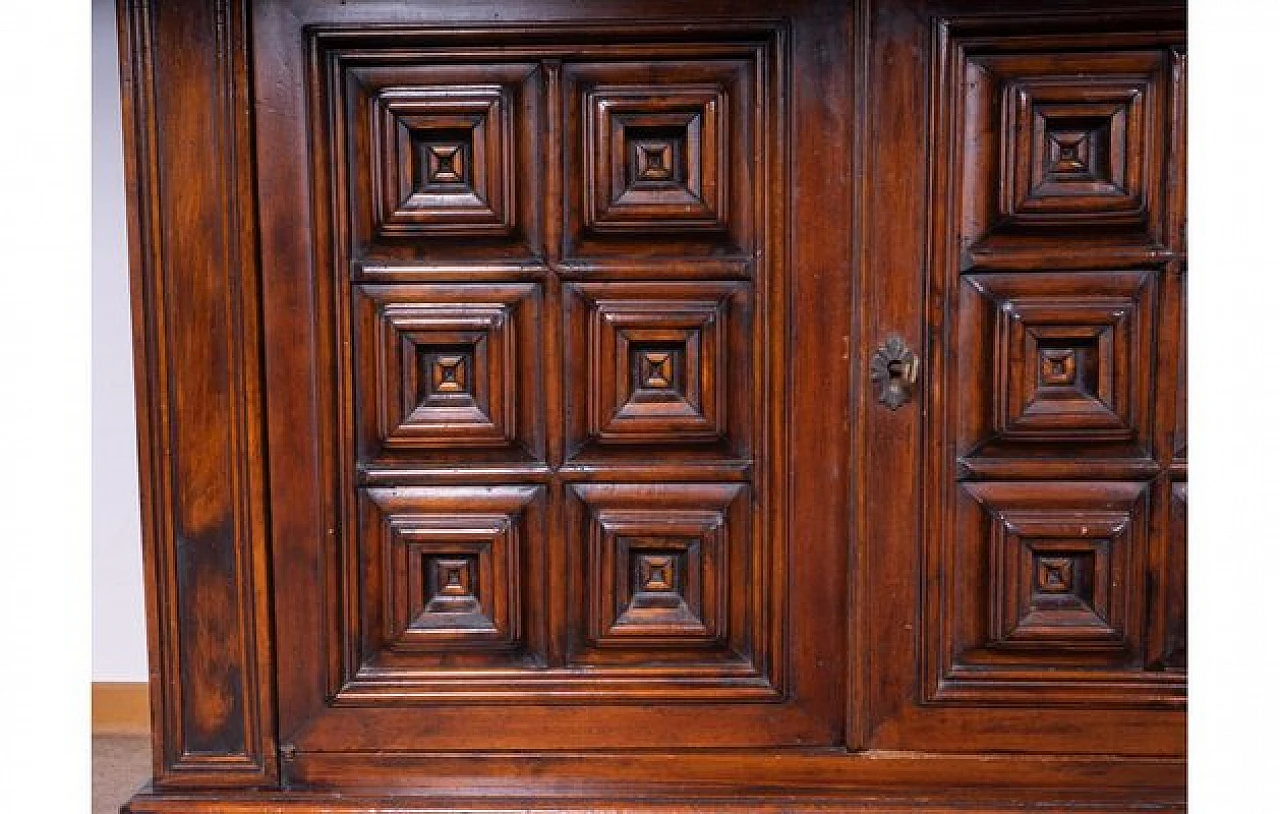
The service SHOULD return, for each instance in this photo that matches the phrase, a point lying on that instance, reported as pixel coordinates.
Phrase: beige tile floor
(121, 764)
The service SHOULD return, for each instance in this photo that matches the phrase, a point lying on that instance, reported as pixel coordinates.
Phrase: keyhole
(896, 369)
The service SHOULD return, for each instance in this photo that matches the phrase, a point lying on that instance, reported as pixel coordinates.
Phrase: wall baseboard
(121, 708)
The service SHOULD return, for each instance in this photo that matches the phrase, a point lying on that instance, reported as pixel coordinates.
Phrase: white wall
(119, 625)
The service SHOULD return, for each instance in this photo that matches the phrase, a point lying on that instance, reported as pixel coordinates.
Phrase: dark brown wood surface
(770, 406)
(198, 359)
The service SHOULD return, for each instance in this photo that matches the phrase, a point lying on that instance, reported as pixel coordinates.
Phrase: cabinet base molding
(294, 803)
(720, 781)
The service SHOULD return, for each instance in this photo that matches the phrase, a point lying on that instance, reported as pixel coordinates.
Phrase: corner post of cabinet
(197, 356)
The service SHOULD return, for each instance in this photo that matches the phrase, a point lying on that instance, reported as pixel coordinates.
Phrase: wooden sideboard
(661, 406)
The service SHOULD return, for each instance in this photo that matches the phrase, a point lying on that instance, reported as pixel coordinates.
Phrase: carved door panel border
(1029, 500)
(558, 261)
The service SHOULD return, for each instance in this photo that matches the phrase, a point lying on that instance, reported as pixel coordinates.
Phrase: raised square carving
(1044, 593)
(661, 573)
(666, 365)
(654, 364)
(657, 584)
(658, 368)
(439, 367)
(443, 583)
(1061, 146)
(656, 158)
(449, 370)
(437, 161)
(1057, 358)
(665, 160)
(1060, 579)
(443, 161)
(448, 164)
(1062, 366)
(1075, 146)
(446, 569)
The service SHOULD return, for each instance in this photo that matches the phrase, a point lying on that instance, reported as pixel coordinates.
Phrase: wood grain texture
(1011, 387)
(195, 301)
(560, 324)
(712, 408)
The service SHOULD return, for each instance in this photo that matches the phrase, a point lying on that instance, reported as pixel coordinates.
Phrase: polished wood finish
(200, 417)
(643, 406)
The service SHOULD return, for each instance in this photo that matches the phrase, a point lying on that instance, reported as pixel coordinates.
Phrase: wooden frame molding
(197, 356)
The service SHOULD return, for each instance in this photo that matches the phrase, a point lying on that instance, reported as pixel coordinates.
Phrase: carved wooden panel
(454, 573)
(656, 156)
(662, 574)
(444, 156)
(1045, 538)
(1044, 596)
(448, 368)
(1061, 579)
(1065, 146)
(665, 160)
(1056, 361)
(486, 209)
(440, 158)
(1074, 147)
(666, 365)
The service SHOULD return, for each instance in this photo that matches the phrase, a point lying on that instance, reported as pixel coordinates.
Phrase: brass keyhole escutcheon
(894, 369)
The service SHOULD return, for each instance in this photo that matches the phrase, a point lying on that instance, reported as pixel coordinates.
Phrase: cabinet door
(1041, 509)
(556, 320)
